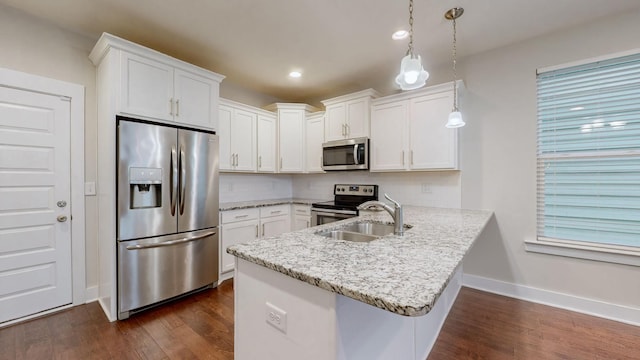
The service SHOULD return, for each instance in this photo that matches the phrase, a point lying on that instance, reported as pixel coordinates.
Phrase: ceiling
(339, 45)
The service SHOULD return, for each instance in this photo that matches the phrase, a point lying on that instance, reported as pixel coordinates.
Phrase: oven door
(324, 216)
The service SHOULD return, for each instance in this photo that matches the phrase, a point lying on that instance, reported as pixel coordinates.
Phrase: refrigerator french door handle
(183, 179)
(170, 243)
(173, 186)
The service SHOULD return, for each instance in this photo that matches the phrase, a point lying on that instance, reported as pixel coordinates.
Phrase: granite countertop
(402, 274)
(261, 203)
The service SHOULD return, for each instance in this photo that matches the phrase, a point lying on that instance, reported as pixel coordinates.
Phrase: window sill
(582, 250)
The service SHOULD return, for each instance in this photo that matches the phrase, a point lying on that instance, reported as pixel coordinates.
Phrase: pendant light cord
(455, 74)
(410, 49)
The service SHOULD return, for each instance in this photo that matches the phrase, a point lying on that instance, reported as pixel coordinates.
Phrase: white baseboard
(91, 294)
(623, 314)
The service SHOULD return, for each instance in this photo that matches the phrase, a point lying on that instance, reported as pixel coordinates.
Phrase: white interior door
(35, 226)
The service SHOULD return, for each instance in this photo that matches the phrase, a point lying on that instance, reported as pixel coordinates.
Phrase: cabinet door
(244, 140)
(315, 137)
(334, 122)
(225, 114)
(433, 146)
(389, 136)
(195, 103)
(274, 226)
(300, 222)
(147, 88)
(235, 233)
(266, 143)
(291, 139)
(358, 118)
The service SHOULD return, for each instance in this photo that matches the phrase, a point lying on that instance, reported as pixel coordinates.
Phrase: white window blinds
(589, 152)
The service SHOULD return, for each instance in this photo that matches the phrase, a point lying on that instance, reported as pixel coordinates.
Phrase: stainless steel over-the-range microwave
(348, 154)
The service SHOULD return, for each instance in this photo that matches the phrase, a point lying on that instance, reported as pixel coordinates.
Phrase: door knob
(62, 218)
(61, 203)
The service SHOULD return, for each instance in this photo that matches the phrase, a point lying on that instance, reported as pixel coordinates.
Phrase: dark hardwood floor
(480, 326)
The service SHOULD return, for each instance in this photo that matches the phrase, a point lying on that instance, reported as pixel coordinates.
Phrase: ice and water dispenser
(145, 187)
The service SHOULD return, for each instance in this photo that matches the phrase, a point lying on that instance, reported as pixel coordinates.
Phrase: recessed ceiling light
(295, 74)
(400, 34)
(577, 108)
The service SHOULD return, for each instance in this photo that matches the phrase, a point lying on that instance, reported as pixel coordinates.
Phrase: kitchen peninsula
(305, 296)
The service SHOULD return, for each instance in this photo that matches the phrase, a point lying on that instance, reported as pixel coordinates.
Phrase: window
(589, 154)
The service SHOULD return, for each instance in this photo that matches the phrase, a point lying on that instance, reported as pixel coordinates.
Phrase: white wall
(441, 189)
(499, 161)
(37, 47)
(245, 187)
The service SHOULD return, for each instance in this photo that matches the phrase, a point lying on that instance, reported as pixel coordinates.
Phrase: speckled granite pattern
(404, 275)
(261, 203)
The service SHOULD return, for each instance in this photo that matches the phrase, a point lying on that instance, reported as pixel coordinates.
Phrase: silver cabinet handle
(183, 179)
(344, 130)
(411, 155)
(259, 161)
(256, 231)
(170, 243)
(402, 157)
(308, 223)
(276, 211)
(171, 106)
(263, 230)
(347, 129)
(173, 180)
(241, 216)
(178, 107)
(61, 218)
(280, 163)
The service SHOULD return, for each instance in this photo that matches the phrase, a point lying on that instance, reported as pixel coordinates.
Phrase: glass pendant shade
(455, 120)
(412, 74)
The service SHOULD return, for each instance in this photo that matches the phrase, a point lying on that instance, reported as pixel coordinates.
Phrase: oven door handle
(335, 212)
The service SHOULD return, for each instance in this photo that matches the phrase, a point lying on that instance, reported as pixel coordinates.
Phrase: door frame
(75, 94)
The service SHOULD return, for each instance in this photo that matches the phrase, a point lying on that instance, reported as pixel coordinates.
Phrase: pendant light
(455, 117)
(412, 74)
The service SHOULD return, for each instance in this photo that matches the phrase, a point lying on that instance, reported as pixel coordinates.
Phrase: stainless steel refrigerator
(167, 213)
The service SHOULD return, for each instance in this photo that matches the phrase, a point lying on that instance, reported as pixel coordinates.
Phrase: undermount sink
(359, 232)
(347, 235)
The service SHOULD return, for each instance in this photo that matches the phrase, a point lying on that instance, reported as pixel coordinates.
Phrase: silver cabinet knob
(61, 203)
(62, 218)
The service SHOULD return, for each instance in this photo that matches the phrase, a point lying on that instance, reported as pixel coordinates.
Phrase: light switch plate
(90, 188)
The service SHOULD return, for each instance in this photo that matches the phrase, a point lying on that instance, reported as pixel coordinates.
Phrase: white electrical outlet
(426, 188)
(276, 317)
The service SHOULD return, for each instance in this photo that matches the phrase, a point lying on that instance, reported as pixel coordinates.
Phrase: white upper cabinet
(408, 132)
(291, 136)
(238, 139)
(389, 139)
(314, 131)
(195, 99)
(266, 143)
(153, 86)
(348, 116)
(147, 87)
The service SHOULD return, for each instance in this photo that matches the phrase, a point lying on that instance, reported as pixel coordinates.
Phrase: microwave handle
(355, 154)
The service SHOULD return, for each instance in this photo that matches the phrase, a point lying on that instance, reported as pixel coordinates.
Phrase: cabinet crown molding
(433, 89)
(371, 93)
(291, 106)
(108, 41)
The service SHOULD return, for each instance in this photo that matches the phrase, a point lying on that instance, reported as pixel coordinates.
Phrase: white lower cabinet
(274, 220)
(301, 217)
(239, 226)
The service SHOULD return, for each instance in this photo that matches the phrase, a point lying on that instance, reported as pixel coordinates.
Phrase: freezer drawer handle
(170, 243)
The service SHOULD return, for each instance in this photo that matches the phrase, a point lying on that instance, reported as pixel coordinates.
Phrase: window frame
(628, 255)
